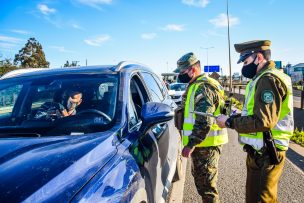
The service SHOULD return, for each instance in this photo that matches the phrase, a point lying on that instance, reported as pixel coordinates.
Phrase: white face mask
(71, 105)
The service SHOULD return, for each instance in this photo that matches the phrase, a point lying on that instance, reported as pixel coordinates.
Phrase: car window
(161, 85)
(8, 98)
(133, 119)
(60, 105)
(178, 87)
(153, 87)
(138, 96)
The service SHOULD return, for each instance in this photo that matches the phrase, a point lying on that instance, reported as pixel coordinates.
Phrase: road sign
(211, 69)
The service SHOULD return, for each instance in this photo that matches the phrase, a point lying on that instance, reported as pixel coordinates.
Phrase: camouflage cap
(185, 61)
(246, 49)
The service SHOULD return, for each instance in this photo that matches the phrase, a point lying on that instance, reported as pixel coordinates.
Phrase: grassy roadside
(298, 137)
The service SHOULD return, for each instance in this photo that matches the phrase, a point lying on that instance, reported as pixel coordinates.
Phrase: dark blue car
(118, 145)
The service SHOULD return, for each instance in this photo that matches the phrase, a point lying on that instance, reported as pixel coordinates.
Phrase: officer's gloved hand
(187, 151)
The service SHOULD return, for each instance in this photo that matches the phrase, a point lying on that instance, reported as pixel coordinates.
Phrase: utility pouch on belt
(271, 148)
(179, 117)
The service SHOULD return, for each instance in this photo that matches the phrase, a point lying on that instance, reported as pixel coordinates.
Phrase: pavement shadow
(296, 158)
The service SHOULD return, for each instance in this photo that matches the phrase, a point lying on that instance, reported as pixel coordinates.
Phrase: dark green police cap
(185, 61)
(246, 49)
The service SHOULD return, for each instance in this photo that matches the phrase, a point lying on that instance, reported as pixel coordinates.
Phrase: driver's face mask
(71, 104)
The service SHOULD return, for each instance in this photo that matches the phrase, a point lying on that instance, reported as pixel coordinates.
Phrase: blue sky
(153, 32)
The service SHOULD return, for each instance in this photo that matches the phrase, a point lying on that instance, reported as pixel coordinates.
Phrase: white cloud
(174, 27)
(11, 40)
(4, 45)
(95, 3)
(75, 25)
(98, 41)
(196, 3)
(148, 36)
(221, 20)
(23, 32)
(62, 49)
(44, 9)
(7, 42)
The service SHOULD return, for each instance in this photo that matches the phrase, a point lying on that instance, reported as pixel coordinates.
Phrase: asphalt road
(232, 175)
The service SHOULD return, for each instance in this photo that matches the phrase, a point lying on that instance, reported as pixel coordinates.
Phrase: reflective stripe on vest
(216, 136)
(285, 126)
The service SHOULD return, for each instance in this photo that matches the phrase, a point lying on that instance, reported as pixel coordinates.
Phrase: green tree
(72, 64)
(31, 55)
(6, 66)
(67, 64)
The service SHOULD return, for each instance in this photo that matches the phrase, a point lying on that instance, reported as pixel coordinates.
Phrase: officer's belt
(250, 150)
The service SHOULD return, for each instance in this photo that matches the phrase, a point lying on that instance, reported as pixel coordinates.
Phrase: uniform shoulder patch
(267, 96)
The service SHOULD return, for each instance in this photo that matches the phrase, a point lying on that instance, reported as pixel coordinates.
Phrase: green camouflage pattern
(185, 62)
(205, 172)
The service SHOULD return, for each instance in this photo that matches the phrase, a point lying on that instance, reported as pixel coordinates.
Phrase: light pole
(207, 48)
(230, 79)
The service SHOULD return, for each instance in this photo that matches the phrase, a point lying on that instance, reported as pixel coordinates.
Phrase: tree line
(30, 56)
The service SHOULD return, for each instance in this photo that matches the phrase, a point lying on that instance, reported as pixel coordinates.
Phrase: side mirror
(153, 113)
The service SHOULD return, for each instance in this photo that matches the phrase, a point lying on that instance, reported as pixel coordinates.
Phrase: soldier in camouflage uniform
(202, 138)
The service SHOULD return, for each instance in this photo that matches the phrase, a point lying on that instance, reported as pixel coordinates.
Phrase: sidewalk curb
(298, 149)
(177, 193)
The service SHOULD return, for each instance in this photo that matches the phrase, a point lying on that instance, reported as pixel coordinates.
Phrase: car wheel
(179, 163)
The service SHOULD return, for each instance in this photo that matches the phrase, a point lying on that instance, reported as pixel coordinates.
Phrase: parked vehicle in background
(121, 145)
(176, 90)
(236, 77)
(169, 77)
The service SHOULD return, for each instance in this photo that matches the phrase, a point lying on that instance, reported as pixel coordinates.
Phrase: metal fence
(240, 89)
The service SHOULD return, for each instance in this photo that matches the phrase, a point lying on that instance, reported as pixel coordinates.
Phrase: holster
(271, 148)
(179, 117)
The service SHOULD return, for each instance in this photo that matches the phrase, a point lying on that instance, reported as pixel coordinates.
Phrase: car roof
(97, 69)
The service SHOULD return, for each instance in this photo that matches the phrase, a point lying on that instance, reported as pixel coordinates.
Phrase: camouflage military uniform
(205, 159)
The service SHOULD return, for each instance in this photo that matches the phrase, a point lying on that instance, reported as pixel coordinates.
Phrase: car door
(146, 147)
(165, 133)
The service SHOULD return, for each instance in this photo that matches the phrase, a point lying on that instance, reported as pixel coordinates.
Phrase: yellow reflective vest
(216, 136)
(283, 130)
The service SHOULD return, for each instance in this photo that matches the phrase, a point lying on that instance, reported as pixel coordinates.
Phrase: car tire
(179, 163)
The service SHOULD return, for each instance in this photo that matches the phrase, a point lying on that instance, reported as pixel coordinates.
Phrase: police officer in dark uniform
(268, 110)
(202, 138)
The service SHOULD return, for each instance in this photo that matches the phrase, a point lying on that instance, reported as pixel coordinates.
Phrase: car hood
(51, 168)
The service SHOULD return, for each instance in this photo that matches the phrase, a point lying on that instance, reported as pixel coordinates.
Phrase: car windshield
(61, 105)
(178, 87)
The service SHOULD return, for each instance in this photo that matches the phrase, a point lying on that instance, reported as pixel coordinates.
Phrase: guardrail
(239, 87)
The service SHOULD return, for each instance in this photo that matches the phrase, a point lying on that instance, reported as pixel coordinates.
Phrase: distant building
(297, 72)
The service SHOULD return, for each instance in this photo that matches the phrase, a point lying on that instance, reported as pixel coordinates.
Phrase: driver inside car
(54, 110)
